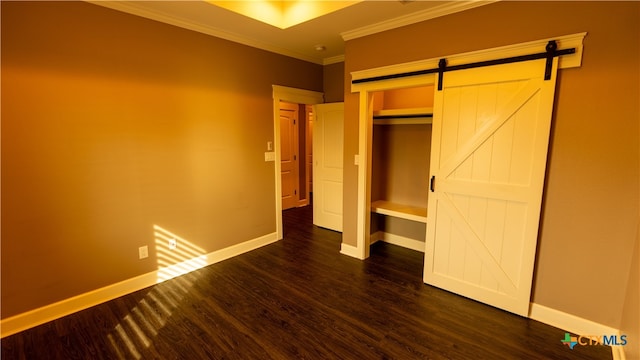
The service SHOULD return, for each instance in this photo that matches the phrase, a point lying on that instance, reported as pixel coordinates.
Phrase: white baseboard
(350, 250)
(29, 319)
(618, 353)
(575, 325)
(405, 242)
(568, 322)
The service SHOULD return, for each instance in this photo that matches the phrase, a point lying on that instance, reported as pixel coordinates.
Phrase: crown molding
(418, 16)
(130, 7)
(133, 8)
(333, 60)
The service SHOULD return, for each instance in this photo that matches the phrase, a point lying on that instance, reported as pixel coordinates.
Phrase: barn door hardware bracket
(551, 48)
(551, 51)
(442, 67)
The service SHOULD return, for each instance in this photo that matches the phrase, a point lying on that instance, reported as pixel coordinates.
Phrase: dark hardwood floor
(297, 299)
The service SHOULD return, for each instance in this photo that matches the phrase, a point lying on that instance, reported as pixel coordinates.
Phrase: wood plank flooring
(297, 299)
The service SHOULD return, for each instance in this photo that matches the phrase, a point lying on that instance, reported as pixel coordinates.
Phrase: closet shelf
(403, 116)
(408, 212)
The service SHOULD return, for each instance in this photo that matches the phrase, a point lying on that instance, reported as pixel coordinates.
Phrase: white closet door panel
(328, 145)
(332, 203)
(489, 148)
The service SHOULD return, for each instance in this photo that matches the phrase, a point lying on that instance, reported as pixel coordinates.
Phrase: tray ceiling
(313, 31)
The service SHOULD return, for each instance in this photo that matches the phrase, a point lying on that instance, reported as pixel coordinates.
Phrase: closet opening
(488, 160)
(400, 157)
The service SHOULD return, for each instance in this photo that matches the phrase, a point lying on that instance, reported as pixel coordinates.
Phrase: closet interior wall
(400, 162)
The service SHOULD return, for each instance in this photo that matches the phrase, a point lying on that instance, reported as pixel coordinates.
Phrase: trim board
(29, 319)
(350, 250)
(575, 325)
(398, 240)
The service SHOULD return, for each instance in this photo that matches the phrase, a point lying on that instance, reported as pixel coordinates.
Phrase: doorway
(301, 97)
(295, 154)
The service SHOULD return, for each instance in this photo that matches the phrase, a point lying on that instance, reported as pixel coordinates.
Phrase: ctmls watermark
(609, 340)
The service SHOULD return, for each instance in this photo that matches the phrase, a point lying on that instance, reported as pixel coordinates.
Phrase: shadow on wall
(176, 256)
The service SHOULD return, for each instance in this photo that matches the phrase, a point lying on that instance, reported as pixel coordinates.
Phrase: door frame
(292, 95)
(365, 123)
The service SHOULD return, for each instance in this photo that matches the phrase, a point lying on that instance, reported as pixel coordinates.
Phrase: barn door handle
(432, 183)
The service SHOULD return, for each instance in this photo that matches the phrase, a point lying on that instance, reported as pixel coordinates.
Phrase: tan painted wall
(400, 164)
(333, 82)
(590, 209)
(112, 124)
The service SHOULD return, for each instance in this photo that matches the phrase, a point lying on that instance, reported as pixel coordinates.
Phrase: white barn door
(328, 144)
(489, 152)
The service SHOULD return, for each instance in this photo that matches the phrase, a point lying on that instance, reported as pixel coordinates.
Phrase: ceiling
(327, 31)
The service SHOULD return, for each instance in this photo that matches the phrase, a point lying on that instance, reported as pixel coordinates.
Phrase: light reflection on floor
(135, 332)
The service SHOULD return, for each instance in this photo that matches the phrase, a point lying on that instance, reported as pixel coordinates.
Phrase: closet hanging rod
(407, 116)
(550, 53)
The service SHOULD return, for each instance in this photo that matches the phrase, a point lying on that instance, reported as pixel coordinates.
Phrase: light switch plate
(143, 252)
(269, 156)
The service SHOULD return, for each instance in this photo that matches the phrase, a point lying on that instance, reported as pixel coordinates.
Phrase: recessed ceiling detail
(283, 13)
(329, 23)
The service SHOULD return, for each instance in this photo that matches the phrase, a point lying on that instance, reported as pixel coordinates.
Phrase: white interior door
(328, 140)
(489, 151)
